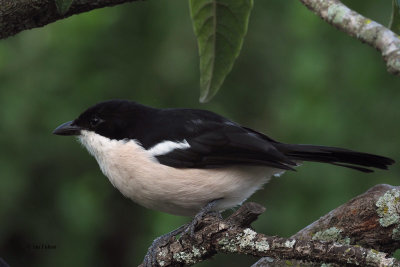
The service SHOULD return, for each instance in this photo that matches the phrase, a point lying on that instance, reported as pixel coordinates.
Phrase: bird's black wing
(214, 141)
(217, 144)
(337, 156)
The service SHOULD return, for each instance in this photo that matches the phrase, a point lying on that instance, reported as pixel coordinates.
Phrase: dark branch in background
(19, 15)
(371, 220)
(364, 29)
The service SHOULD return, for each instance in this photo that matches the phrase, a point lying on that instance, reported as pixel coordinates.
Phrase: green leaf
(394, 24)
(220, 27)
(63, 6)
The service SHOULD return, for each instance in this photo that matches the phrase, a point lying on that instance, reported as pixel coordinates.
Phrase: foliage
(63, 6)
(220, 26)
(395, 19)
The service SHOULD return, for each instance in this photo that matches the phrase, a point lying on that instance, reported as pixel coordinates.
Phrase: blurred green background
(297, 79)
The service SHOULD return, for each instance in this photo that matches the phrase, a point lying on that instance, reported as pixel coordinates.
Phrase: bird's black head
(115, 119)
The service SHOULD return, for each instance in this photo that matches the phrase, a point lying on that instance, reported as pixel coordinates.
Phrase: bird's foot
(151, 256)
(191, 227)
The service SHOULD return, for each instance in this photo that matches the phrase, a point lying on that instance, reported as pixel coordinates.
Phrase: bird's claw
(192, 226)
(151, 256)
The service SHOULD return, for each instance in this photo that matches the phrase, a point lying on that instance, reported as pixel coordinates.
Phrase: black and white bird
(186, 161)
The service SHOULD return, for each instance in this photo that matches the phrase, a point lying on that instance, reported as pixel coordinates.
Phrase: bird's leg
(151, 255)
(207, 209)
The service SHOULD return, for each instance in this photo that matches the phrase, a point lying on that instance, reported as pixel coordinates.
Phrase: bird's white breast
(139, 176)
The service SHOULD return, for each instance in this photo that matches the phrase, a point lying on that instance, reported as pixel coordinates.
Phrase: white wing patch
(167, 146)
(197, 121)
(279, 174)
(230, 123)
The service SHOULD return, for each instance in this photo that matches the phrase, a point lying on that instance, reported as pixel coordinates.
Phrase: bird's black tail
(336, 156)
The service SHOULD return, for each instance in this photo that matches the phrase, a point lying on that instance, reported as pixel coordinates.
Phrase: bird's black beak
(68, 128)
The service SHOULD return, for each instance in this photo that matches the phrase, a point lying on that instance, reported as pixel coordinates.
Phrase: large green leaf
(395, 20)
(220, 27)
(63, 6)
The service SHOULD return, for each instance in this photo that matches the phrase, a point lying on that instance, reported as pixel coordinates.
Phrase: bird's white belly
(139, 176)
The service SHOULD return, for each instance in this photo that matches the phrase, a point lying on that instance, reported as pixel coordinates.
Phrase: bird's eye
(94, 121)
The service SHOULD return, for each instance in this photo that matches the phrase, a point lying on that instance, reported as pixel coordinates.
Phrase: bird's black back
(214, 140)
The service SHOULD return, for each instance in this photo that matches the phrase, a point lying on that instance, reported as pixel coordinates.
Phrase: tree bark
(371, 220)
(19, 15)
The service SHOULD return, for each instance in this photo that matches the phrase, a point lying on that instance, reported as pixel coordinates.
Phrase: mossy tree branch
(371, 219)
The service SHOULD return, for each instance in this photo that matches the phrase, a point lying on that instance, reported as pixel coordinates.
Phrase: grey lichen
(186, 257)
(191, 257)
(332, 234)
(198, 252)
(396, 233)
(246, 240)
(388, 206)
(262, 246)
(162, 253)
(379, 258)
(338, 13)
(228, 245)
(290, 243)
(393, 64)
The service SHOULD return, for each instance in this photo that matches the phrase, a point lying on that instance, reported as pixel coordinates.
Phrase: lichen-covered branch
(360, 27)
(19, 15)
(370, 219)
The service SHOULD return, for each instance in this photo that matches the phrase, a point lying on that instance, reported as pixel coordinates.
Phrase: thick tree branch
(372, 219)
(336, 13)
(19, 15)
